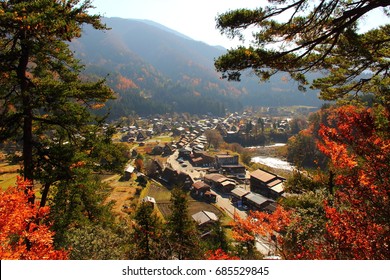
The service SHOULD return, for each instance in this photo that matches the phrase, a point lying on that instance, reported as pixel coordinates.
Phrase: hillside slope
(155, 69)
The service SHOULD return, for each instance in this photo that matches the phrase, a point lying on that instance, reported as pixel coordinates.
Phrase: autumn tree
(219, 254)
(139, 163)
(352, 220)
(319, 35)
(45, 105)
(24, 233)
(214, 138)
(259, 227)
(357, 140)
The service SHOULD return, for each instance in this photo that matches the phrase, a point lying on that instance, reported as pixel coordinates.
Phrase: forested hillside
(155, 70)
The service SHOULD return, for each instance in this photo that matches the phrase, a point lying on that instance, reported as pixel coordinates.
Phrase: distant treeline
(169, 99)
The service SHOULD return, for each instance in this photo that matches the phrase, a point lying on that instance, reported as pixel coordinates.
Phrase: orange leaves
(97, 106)
(261, 223)
(125, 83)
(22, 232)
(358, 218)
(78, 164)
(354, 220)
(219, 254)
(338, 153)
(354, 234)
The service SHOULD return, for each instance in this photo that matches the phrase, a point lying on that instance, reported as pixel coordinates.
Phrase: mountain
(155, 69)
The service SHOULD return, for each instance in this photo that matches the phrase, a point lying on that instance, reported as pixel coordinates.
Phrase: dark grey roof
(256, 198)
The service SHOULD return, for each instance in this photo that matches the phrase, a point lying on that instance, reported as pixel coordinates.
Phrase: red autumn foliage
(23, 235)
(219, 254)
(262, 224)
(357, 210)
(125, 83)
(359, 215)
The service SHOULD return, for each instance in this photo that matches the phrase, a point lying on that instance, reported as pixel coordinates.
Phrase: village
(166, 154)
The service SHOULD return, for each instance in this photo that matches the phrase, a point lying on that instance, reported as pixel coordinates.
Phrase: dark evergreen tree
(148, 235)
(320, 35)
(45, 105)
(182, 233)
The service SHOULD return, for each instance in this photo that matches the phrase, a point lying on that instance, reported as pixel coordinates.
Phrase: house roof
(256, 198)
(263, 176)
(274, 183)
(214, 177)
(221, 180)
(270, 207)
(203, 217)
(199, 159)
(231, 166)
(225, 156)
(159, 164)
(210, 193)
(279, 188)
(227, 183)
(130, 169)
(240, 192)
(200, 185)
(185, 150)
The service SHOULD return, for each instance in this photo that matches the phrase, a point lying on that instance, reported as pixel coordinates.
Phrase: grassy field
(162, 195)
(158, 192)
(193, 208)
(8, 175)
(123, 195)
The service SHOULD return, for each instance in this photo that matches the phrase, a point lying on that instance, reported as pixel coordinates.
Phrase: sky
(193, 18)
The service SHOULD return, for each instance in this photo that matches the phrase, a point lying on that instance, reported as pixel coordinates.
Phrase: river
(273, 162)
(270, 161)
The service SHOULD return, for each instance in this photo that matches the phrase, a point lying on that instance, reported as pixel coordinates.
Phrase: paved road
(223, 201)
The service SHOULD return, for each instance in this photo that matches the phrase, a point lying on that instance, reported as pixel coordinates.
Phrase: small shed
(129, 170)
(205, 217)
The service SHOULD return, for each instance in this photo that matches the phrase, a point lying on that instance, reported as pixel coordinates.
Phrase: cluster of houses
(265, 189)
(147, 128)
(226, 176)
(237, 125)
(231, 128)
(223, 173)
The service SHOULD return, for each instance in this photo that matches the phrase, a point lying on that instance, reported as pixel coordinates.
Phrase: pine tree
(320, 35)
(182, 234)
(148, 235)
(44, 104)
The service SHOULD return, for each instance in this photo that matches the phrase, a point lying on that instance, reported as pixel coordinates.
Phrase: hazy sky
(194, 18)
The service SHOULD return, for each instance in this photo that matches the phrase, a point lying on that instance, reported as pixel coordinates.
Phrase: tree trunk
(45, 193)
(27, 115)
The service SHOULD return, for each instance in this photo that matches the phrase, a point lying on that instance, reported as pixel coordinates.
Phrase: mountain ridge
(162, 68)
